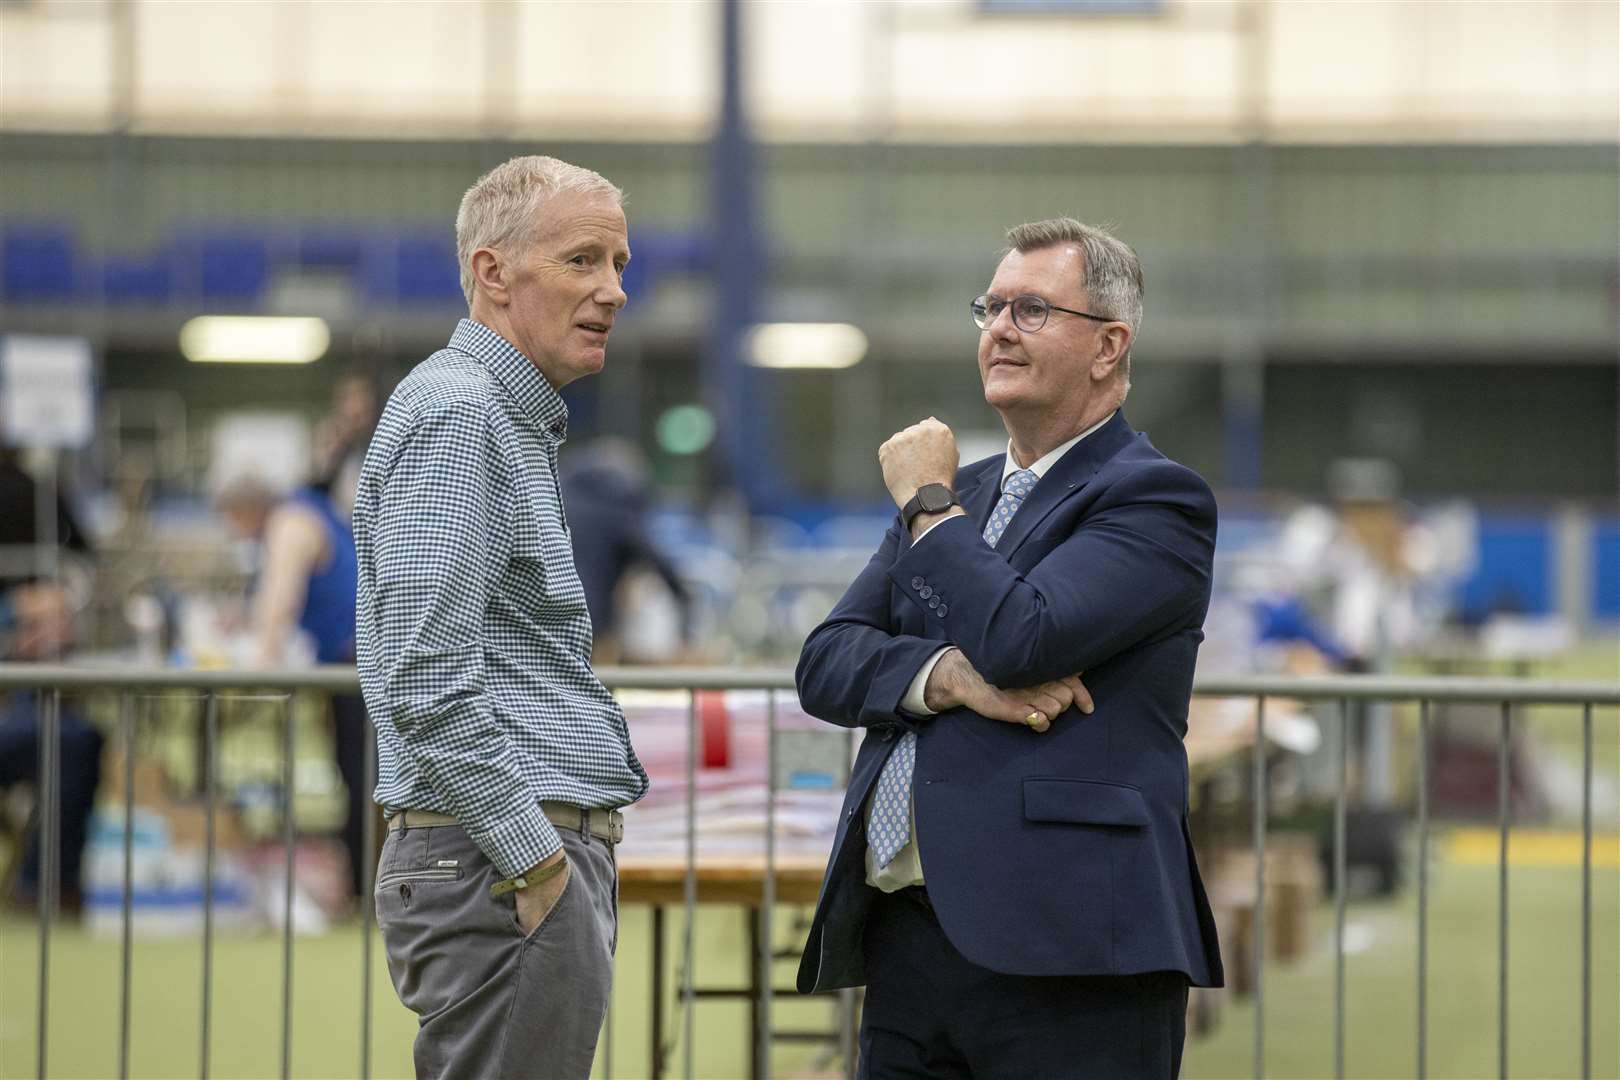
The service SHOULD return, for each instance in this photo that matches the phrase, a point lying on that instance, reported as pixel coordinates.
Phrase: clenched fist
(924, 453)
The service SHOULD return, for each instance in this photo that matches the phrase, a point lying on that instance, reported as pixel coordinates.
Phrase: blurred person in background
(1062, 916)
(605, 488)
(502, 759)
(19, 522)
(304, 592)
(341, 438)
(36, 624)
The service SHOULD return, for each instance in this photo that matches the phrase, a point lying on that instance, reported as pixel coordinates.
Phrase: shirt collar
(534, 395)
(1045, 463)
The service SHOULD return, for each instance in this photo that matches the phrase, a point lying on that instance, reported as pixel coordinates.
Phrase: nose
(1002, 327)
(611, 292)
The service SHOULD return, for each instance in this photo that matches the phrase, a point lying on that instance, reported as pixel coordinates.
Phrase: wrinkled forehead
(573, 217)
(1051, 272)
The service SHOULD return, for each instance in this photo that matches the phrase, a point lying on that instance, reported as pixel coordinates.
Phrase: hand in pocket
(535, 902)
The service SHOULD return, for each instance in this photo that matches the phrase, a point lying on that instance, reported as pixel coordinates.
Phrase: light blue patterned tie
(1013, 491)
(891, 802)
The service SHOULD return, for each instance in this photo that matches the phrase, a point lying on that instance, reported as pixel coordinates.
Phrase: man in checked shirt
(501, 758)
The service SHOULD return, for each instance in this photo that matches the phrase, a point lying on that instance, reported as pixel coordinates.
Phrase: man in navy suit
(1013, 879)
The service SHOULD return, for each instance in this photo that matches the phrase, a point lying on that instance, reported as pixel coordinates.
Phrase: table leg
(756, 1043)
(657, 1070)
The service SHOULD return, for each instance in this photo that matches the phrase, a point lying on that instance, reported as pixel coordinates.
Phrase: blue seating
(37, 263)
(138, 280)
(426, 269)
(231, 265)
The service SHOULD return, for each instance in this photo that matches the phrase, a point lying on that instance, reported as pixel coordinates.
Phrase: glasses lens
(1029, 313)
(982, 315)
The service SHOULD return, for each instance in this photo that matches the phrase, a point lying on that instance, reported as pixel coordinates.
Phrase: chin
(589, 364)
(1001, 397)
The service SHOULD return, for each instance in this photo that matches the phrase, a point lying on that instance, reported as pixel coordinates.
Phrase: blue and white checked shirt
(473, 639)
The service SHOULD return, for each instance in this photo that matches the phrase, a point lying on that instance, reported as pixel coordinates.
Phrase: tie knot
(1019, 483)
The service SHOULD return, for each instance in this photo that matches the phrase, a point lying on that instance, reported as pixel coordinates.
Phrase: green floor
(1380, 1019)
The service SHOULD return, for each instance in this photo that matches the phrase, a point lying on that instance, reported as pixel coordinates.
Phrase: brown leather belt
(605, 825)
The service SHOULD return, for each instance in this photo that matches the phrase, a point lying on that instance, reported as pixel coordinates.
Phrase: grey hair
(502, 209)
(1110, 272)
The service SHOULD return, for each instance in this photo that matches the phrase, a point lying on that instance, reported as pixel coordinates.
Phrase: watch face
(936, 497)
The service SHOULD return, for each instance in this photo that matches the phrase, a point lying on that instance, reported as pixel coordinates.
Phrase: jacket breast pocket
(1083, 802)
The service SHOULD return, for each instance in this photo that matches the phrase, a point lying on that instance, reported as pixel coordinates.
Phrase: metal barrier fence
(1507, 694)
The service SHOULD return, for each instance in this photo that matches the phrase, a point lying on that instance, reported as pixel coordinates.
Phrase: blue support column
(739, 395)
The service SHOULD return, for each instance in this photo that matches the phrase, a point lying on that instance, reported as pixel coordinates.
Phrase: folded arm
(1138, 568)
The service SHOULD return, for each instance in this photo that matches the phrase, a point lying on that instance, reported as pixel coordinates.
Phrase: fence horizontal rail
(341, 679)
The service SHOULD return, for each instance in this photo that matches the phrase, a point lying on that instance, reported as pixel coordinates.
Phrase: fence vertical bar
(1339, 888)
(848, 1045)
(46, 707)
(1503, 816)
(368, 870)
(126, 725)
(1423, 892)
(289, 838)
(210, 766)
(689, 889)
(1586, 891)
(1259, 887)
(767, 900)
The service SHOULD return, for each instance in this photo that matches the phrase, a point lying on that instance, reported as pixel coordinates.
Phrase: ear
(1114, 341)
(491, 275)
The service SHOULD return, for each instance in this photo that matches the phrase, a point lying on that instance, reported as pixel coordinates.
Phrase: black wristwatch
(930, 499)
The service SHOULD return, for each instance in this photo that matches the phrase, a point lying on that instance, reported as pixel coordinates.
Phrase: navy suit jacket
(1062, 853)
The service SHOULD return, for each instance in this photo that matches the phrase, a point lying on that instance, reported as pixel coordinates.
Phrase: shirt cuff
(913, 703)
(517, 843)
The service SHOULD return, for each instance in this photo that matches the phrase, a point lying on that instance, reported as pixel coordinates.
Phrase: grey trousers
(490, 1001)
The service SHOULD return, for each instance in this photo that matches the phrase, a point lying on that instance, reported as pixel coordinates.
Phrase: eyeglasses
(1029, 311)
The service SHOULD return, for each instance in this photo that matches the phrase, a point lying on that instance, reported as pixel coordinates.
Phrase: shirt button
(925, 592)
(942, 611)
(916, 582)
(933, 601)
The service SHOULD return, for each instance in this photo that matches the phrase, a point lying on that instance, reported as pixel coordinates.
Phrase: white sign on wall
(46, 392)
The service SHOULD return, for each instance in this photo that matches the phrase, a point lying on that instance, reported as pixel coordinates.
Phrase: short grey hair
(502, 209)
(1110, 272)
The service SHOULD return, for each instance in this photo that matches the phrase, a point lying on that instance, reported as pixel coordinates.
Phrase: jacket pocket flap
(1083, 802)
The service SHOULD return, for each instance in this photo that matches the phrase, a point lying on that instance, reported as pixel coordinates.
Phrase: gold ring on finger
(1033, 719)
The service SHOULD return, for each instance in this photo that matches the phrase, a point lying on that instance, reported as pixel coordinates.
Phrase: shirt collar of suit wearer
(1041, 467)
(534, 395)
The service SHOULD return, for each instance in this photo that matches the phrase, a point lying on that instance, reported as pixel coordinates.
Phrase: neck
(1034, 437)
(495, 319)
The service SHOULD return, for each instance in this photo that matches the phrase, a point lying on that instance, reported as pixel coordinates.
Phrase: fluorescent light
(806, 345)
(254, 339)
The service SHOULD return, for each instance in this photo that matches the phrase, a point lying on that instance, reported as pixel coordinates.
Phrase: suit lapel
(978, 501)
(1068, 477)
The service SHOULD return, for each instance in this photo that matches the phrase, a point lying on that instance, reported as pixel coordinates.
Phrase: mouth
(1005, 362)
(596, 328)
